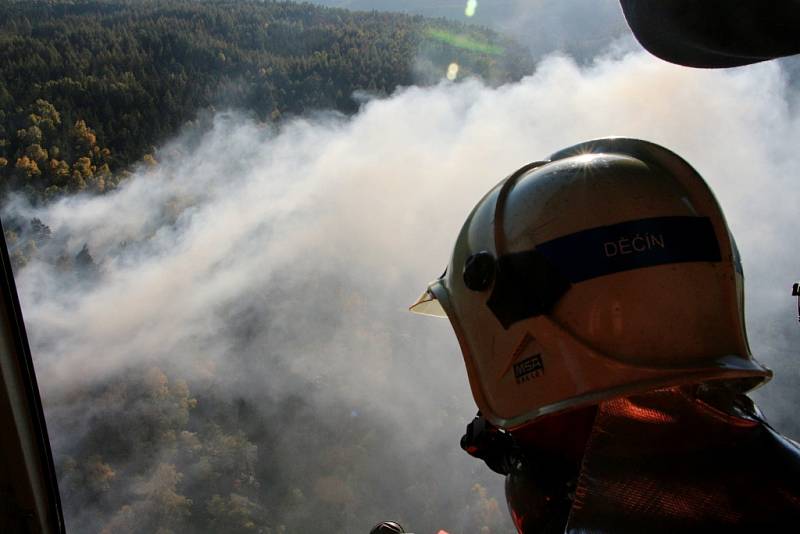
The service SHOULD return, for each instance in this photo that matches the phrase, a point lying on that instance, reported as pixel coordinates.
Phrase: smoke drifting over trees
(580, 28)
(222, 341)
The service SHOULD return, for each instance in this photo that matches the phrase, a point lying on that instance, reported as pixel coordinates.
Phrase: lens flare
(586, 159)
(452, 71)
(463, 41)
(472, 5)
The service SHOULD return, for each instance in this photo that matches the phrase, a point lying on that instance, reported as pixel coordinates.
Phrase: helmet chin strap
(540, 483)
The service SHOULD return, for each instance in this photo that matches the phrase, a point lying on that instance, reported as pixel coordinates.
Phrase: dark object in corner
(715, 33)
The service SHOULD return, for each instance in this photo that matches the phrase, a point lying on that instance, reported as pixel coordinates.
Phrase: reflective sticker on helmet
(632, 245)
(529, 283)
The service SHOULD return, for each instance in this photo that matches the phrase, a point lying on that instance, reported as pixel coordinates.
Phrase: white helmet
(605, 271)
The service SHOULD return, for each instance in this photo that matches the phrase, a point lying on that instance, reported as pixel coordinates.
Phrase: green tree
(235, 514)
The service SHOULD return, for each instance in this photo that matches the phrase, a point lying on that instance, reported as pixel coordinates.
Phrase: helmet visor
(428, 304)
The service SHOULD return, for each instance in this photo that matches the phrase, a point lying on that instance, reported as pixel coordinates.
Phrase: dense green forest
(89, 88)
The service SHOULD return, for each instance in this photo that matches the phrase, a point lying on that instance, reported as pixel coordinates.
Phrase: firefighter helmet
(387, 527)
(604, 271)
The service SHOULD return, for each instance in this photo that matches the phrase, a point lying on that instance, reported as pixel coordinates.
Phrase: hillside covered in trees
(89, 88)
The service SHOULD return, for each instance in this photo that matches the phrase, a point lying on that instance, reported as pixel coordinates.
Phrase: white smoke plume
(278, 263)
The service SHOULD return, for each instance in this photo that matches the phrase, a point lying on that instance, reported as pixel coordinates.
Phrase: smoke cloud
(272, 267)
(579, 28)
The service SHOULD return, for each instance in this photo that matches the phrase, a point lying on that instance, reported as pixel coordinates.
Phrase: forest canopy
(89, 88)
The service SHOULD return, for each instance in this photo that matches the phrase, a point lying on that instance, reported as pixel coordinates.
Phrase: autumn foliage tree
(52, 159)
